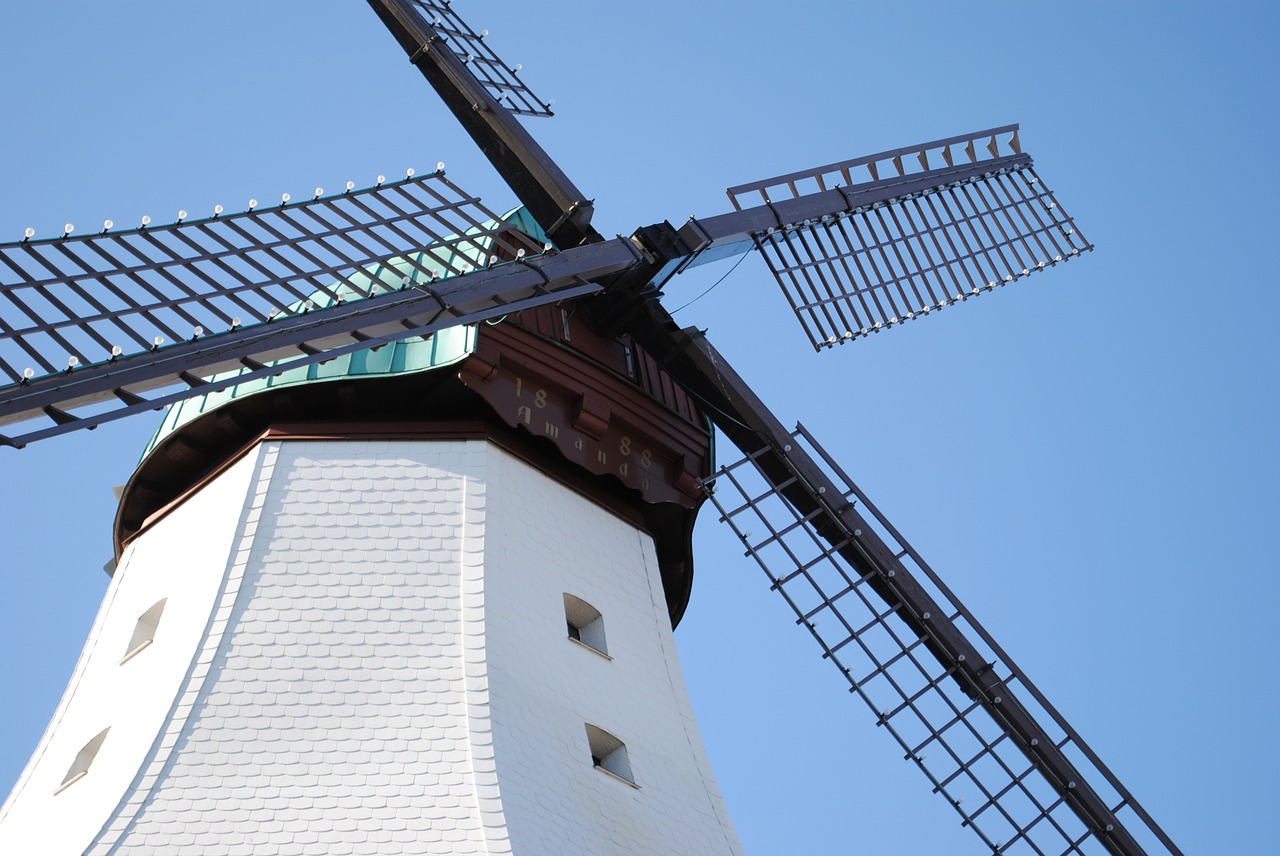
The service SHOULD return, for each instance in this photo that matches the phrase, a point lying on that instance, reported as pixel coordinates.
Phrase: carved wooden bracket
(597, 419)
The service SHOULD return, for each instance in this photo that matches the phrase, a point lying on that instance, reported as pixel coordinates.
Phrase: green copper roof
(410, 355)
(416, 354)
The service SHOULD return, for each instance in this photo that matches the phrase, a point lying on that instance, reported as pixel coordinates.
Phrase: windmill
(921, 154)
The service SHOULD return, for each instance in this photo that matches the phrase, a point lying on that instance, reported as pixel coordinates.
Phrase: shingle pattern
(328, 714)
(540, 542)
(386, 671)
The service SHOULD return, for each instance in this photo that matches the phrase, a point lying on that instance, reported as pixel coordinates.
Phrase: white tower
(415, 601)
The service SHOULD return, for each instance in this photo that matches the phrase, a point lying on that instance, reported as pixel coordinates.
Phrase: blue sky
(1089, 458)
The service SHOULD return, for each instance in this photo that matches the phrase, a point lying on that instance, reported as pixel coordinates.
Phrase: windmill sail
(959, 707)
(1013, 767)
(498, 79)
(475, 85)
(924, 227)
(101, 319)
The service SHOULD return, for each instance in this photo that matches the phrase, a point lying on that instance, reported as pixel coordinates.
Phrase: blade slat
(956, 731)
(501, 80)
(889, 262)
(849, 173)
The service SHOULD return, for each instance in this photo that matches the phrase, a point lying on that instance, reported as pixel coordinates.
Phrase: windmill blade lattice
(1042, 794)
(484, 94)
(921, 235)
(500, 79)
(107, 317)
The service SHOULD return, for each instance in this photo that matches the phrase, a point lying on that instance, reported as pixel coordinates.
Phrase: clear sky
(1089, 458)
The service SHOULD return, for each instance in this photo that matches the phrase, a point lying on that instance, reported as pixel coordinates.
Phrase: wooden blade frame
(105, 295)
(840, 557)
(948, 232)
(107, 318)
(960, 708)
(538, 182)
(499, 79)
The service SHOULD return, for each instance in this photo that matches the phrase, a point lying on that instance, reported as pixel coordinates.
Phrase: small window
(80, 767)
(608, 753)
(630, 356)
(584, 623)
(145, 631)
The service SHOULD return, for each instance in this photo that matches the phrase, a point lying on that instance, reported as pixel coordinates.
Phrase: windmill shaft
(557, 205)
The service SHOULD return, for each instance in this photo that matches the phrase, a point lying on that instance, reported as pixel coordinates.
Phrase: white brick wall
(372, 659)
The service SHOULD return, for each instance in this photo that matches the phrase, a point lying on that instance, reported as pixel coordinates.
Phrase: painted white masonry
(364, 651)
(184, 562)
